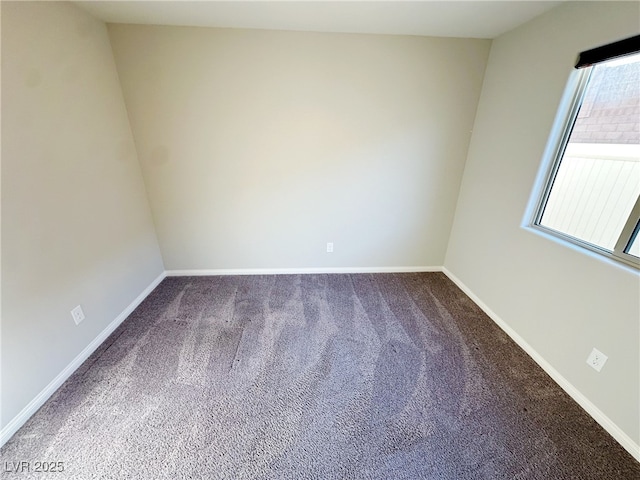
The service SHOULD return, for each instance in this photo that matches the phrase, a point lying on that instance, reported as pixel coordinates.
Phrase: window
(591, 195)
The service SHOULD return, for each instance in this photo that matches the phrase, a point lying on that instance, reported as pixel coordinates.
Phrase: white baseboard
(294, 271)
(616, 432)
(12, 427)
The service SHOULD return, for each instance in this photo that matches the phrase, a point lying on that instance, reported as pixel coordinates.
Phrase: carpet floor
(364, 376)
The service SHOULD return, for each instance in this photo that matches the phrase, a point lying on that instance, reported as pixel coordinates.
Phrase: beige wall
(561, 301)
(76, 226)
(258, 147)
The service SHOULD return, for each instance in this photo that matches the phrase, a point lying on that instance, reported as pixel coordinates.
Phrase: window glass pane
(598, 180)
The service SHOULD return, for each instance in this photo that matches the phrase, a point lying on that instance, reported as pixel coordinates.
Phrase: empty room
(320, 240)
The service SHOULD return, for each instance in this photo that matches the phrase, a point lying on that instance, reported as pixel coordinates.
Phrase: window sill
(583, 248)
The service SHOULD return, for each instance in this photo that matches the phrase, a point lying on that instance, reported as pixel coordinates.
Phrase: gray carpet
(384, 376)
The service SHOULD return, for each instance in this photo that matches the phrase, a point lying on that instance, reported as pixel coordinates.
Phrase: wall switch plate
(596, 359)
(77, 314)
(329, 247)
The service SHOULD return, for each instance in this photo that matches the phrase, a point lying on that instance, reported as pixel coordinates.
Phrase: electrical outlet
(596, 359)
(329, 247)
(77, 314)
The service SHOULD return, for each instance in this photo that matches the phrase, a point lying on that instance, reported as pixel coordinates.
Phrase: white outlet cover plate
(77, 314)
(596, 359)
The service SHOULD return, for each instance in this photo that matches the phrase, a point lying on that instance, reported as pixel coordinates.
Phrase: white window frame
(554, 153)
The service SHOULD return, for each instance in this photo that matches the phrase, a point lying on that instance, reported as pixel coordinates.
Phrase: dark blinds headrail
(621, 48)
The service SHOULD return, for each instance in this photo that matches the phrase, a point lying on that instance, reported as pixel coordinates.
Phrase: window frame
(554, 154)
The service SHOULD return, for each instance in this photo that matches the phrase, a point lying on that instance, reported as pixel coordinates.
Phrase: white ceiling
(475, 19)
